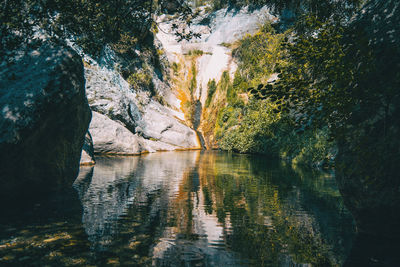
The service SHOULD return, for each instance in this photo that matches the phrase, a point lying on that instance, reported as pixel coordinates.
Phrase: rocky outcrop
(44, 115)
(133, 120)
(110, 137)
(369, 151)
(87, 156)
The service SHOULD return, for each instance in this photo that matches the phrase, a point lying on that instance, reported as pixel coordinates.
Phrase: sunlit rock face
(44, 115)
(150, 125)
(217, 29)
(369, 152)
(111, 137)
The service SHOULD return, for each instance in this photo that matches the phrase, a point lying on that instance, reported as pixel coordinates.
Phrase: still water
(192, 208)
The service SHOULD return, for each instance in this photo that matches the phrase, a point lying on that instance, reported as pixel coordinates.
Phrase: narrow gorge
(163, 108)
(199, 133)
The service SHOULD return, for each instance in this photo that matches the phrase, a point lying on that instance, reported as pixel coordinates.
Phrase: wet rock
(44, 115)
(369, 152)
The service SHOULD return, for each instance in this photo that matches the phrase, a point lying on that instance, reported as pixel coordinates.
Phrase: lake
(189, 208)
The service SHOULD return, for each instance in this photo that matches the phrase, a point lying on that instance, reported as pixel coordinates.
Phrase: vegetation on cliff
(251, 123)
(337, 83)
(91, 24)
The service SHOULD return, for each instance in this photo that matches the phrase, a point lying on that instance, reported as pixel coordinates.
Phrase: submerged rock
(44, 115)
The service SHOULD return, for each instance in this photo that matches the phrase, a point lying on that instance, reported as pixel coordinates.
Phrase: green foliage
(90, 23)
(141, 79)
(227, 45)
(176, 68)
(190, 107)
(195, 52)
(248, 130)
(193, 81)
(259, 128)
(268, 123)
(225, 81)
(259, 55)
(125, 44)
(310, 80)
(212, 87)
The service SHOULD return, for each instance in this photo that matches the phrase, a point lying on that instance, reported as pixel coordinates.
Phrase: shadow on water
(196, 208)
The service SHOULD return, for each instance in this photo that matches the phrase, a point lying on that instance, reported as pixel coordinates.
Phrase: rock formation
(44, 116)
(128, 120)
(110, 137)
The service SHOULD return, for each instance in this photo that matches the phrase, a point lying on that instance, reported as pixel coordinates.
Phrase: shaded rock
(44, 115)
(369, 151)
(87, 156)
(110, 137)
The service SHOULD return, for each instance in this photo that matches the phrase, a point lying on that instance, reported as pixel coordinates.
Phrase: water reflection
(213, 209)
(195, 208)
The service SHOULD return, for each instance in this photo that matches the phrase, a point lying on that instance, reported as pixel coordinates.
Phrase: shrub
(141, 79)
(176, 68)
(212, 87)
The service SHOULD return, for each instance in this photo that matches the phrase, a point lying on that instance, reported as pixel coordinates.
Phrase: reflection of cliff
(106, 192)
(115, 187)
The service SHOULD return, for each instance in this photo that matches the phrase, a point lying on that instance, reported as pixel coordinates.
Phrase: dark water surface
(184, 209)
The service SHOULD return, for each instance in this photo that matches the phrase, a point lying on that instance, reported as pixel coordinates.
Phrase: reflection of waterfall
(196, 238)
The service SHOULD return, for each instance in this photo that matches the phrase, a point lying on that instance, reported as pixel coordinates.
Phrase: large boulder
(44, 115)
(369, 151)
(111, 137)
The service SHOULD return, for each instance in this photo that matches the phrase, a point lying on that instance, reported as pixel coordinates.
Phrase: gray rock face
(111, 137)
(44, 115)
(143, 124)
(369, 152)
(87, 156)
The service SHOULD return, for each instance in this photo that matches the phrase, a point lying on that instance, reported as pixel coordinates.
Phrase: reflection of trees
(272, 210)
(191, 209)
